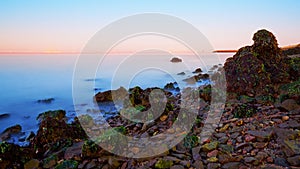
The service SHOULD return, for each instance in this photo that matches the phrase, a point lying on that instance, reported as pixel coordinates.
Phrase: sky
(56, 25)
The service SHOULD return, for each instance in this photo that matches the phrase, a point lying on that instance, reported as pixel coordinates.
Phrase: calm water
(28, 78)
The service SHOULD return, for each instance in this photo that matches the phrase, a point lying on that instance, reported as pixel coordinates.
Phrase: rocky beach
(259, 125)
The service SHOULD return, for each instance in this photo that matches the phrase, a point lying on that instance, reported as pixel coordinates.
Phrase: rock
(177, 167)
(244, 110)
(46, 101)
(6, 134)
(224, 128)
(291, 147)
(74, 152)
(198, 164)
(258, 69)
(281, 162)
(213, 165)
(163, 118)
(107, 95)
(285, 118)
(210, 146)
(50, 162)
(249, 138)
(261, 135)
(161, 164)
(181, 73)
(231, 165)
(198, 70)
(290, 105)
(213, 153)
(69, 164)
(176, 60)
(32, 164)
(261, 155)
(195, 153)
(4, 116)
(212, 160)
(294, 161)
(260, 145)
(56, 114)
(249, 159)
(13, 129)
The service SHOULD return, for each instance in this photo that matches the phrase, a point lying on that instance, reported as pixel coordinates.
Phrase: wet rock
(7, 133)
(175, 60)
(294, 161)
(281, 162)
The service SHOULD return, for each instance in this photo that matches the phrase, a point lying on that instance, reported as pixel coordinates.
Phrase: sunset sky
(66, 26)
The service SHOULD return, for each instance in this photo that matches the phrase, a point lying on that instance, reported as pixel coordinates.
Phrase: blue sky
(34, 25)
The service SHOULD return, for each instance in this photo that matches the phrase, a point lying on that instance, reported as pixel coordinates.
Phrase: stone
(281, 162)
(74, 151)
(261, 155)
(249, 138)
(290, 105)
(46, 101)
(213, 165)
(160, 164)
(261, 136)
(213, 153)
(195, 153)
(32, 164)
(210, 146)
(260, 145)
(212, 159)
(198, 164)
(70, 164)
(231, 165)
(181, 73)
(291, 147)
(50, 162)
(177, 167)
(294, 161)
(107, 95)
(249, 159)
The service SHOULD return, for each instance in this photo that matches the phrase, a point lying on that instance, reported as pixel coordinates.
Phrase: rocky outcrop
(258, 70)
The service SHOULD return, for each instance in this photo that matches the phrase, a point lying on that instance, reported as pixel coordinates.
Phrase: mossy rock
(163, 164)
(190, 141)
(90, 149)
(244, 110)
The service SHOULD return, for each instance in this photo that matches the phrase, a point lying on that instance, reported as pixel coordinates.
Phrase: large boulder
(257, 70)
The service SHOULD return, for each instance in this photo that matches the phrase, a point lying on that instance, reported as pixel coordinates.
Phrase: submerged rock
(46, 101)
